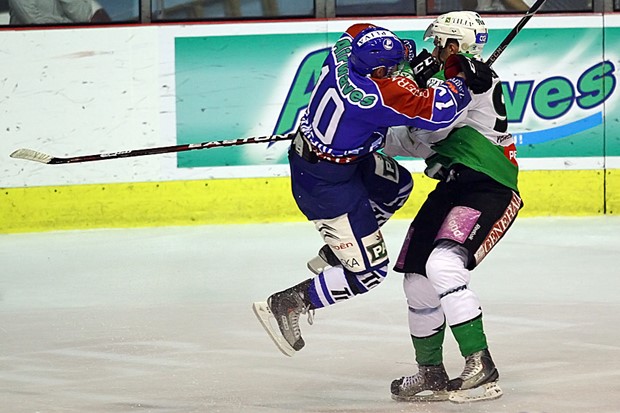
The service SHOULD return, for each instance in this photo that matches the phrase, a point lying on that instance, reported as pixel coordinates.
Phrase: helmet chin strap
(439, 53)
(376, 70)
(441, 49)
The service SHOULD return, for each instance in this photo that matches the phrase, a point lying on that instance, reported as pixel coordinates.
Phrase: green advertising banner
(562, 101)
(611, 111)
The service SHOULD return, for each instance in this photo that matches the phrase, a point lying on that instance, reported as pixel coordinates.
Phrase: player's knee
(445, 267)
(425, 314)
(425, 322)
(419, 291)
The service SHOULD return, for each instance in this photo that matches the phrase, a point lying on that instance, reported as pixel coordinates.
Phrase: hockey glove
(424, 66)
(410, 49)
(478, 76)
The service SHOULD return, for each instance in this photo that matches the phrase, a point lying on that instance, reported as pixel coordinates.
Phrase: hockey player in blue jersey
(338, 179)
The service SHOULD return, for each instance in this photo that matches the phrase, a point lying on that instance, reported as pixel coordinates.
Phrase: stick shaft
(515, 30)
(31, 155)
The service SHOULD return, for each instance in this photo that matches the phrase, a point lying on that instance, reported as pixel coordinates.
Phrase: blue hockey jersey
(348, 114)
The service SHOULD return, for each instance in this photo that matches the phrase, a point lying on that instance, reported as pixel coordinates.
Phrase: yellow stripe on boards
(612, 184)
(544, 193)
(219, 201)
(562, 193)
(258, 200)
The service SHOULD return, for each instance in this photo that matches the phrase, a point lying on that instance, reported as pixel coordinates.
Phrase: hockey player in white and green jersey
(474, 204)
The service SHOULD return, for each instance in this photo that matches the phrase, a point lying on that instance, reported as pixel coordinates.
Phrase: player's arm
(426, 108)
(515, 5)
(101, 16)
(80, 11)
(405, 141)
(400, 141)
(424, 67)
(25, 13)
(477, 74)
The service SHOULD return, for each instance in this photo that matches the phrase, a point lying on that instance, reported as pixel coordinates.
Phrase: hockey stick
(515, 31)
(32, 155)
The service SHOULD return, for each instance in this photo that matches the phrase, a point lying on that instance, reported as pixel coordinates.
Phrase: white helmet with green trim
(467, 27)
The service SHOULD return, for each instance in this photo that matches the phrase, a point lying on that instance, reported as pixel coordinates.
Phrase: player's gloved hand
(424, 66)
(410, 49)
(478, 75)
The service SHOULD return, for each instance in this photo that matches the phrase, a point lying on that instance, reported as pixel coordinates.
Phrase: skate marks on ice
(159, 320)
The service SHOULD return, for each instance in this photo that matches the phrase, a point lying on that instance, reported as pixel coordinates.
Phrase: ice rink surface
(159, 320)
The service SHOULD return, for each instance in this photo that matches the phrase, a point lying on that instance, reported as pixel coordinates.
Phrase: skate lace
(410, 381)
(472, 367)
(310, 313)
(303, 309)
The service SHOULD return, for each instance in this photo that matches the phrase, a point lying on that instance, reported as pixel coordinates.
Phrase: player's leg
(420, 237)
(354, 237)
(427, 329)
(446, 270)
(363, 266)
(388, 186)
(425, 315)
(483, 213)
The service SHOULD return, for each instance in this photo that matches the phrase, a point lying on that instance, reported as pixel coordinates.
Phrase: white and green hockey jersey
(478, 140)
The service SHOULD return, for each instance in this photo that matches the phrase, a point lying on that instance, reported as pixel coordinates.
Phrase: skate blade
(422, 397)
(317, 265)
(490, 391)
(264, 315)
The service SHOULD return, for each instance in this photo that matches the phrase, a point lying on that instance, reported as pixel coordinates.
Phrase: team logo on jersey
(375, 246)
(350, 91)
(377, 251)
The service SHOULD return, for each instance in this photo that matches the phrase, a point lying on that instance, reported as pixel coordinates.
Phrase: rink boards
(256, 200)
(132, 87)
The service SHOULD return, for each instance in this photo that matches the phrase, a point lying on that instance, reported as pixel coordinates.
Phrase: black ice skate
(427, 385)
(325, 258)
(286, 307)
(477, 382)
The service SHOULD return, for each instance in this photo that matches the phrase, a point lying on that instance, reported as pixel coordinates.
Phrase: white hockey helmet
(467, 27)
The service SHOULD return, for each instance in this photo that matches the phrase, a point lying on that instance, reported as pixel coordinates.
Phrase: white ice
(159, 320)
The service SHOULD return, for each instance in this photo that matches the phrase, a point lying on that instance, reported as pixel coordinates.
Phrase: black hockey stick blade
(515, 30)
(36, 156)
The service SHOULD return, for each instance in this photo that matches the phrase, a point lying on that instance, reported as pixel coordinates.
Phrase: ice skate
(427, 385)
(325, 258)
(285, 307)
(477, 382)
